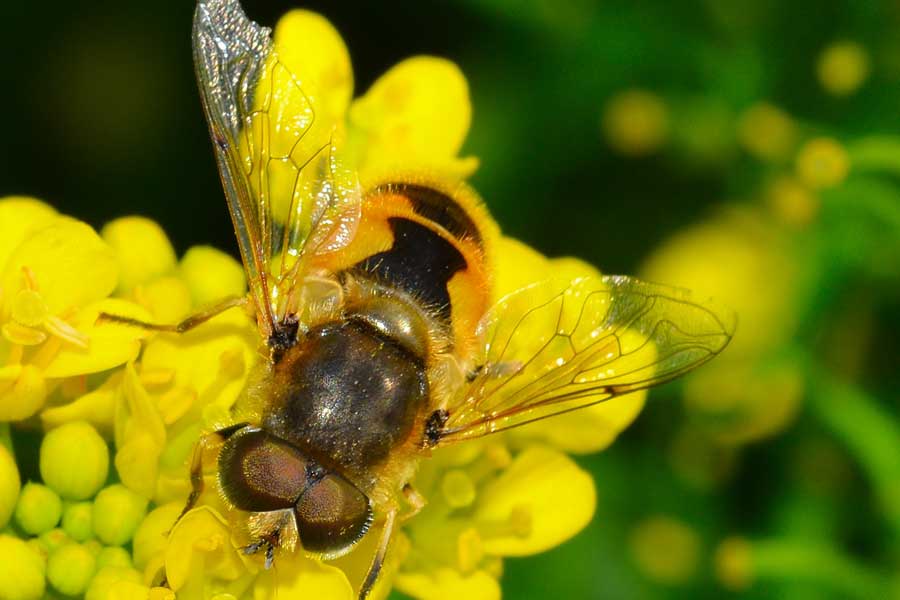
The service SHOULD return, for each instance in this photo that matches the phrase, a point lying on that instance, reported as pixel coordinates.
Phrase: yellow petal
(517, 265)
(22, 392)
(296, 576)
(316, 55)
(108, 344)
(447, 584)
(97, 408)
(140, 436)
(200, 543)
(69, 262)
(540, 501)
(24, 336)
(137, 462)
(142, 249)
(587, 430)
(416, 114)
(195, 357)
(19, 216)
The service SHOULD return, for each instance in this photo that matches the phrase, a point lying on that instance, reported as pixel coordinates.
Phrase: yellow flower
(746, 263)
(55, 278)
(150, 396)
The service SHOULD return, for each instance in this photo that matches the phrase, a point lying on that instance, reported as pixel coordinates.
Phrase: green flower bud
(94, 546)
(74, 460)
(106, 577)
(9, 485)
(39, 509)
(70, 569)
(117, 513)
(21, 570)
(113, 556)
(49, 541)
(76, 521)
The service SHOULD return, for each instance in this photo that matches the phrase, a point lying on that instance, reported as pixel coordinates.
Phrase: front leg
(415, 500)
(204, 444)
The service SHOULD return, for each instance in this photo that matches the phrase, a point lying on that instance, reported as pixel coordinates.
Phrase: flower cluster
(114, 411)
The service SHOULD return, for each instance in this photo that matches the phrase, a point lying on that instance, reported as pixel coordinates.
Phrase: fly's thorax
(352, 391)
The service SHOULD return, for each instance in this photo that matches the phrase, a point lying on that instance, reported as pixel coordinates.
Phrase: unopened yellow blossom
(70, 569)
(142, 250)
(843, 67)
(76, 521)
(9, 485)
(635, 122)
(39, 509)
(21, 570)
(74, 460)
(117, 513)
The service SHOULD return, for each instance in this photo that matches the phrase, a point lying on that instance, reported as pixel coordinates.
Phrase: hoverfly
(373, 305)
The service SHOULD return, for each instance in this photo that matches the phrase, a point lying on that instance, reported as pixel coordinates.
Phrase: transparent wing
(288, 192)
(558, 346)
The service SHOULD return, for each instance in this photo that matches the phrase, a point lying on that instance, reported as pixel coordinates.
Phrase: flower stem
(868, 431)
(798, 561)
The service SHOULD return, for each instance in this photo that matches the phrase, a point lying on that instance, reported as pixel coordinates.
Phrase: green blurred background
(748, 149)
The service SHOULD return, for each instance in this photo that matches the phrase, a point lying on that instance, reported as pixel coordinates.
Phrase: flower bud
(106, 577)
(70, 569)
(117, 513)
(74, 460)
(39, 509)
(76, 521)
(211, 275)
(9, 485)
(52, 540)
(142, 249)
(113, 556)
(21, 570)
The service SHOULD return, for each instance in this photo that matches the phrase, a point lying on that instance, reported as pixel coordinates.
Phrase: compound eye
(259, 472)
(332, 515)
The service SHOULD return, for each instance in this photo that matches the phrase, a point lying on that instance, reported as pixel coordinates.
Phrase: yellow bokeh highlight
(843, 67)
(734, 563)
(822, 163)
(767, 132)
(636, 122)
(665, 549)
(792, 202)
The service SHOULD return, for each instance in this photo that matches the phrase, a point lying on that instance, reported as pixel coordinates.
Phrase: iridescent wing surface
(558, 346)
(280, 162)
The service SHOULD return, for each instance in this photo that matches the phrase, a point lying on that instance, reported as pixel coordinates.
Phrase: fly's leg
(415, 500)
(204, 444)
(378, 562)
(182, 327)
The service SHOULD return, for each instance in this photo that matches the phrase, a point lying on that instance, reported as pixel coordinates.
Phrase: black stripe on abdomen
(420, 262)
(436, 206)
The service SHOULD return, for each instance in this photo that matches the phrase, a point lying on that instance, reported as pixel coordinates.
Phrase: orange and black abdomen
(429, 243)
